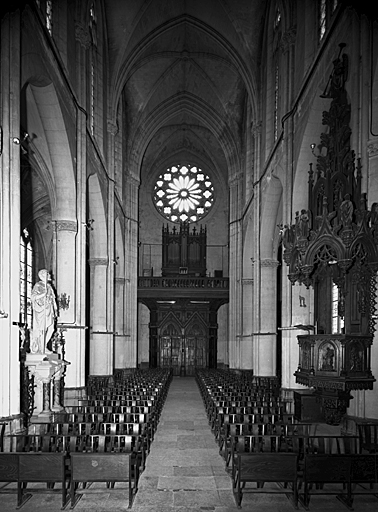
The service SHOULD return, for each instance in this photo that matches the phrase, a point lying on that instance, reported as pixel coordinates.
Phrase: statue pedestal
(47, 370)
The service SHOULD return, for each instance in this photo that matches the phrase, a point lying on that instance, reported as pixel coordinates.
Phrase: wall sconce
(115, 261)
(313, 146)
(3, 314)
(18, 141)
(88, 224)
(63, 301)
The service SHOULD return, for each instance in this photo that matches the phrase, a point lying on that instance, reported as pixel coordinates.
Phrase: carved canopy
(337, 230)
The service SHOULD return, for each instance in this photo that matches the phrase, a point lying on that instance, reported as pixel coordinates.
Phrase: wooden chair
(328, 445)
(127, 444)
(103, 467)
(34, 467)
(276, 468)
(364, 474)
(239, 430)
(2, 432)
(49, 468)
(9, 470)
(368, 433)
(322, 470)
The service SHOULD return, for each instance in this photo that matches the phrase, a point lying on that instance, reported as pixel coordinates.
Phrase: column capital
(94, 262)
(133, 180)
(66, 225)
(267, 262)
(288, 39)
(256, 129)
(82, 35)
(112, 127)
(235, 179)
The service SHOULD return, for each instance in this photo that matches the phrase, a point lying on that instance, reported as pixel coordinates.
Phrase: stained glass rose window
(183, 193)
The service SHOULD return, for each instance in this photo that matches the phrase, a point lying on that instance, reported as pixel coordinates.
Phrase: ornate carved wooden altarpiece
(335, 242)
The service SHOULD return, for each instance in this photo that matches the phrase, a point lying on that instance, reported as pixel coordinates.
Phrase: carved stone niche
(333, 247)
(334, 365)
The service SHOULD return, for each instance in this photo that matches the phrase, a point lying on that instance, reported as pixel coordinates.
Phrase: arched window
(276, 69)
(49, 16)
(326, 9)
(46, 8)
(276, 100)
(337, 321)
(277, 19)
(92, 64)
(26, 276)
(183, 193)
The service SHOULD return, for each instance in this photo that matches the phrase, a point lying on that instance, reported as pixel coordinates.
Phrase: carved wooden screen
(184, 348)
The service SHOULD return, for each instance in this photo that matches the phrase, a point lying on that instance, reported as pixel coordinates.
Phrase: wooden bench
(102, 467)
(35, 467)
(99, 443)
(260, 469)
(8, 467)
(364, 474)
(265, 436)
(322, 470)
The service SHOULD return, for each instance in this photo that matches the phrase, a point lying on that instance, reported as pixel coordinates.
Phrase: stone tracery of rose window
(183, 193)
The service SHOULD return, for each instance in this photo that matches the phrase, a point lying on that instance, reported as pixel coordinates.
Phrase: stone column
(10, 214)
(235, 266)
(65, 265)
(131, 273)
(57, 401)
(112, 130)
(74, 318)
(69, 298)
(100, 339)
(246, 340)
(120, 341)
(265, 340)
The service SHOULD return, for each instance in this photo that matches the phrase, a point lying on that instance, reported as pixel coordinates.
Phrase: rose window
(183, 193)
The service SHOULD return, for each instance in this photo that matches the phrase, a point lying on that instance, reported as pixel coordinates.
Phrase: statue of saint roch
(44, 313)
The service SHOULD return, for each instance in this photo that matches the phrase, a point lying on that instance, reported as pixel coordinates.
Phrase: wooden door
(196, 353)
(183, 354)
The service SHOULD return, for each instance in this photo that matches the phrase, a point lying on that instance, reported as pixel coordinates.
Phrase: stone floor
(184, 472)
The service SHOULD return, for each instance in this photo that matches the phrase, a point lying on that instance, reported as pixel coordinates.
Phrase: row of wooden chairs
(143, 429)
(296, 463)
(68, 470)
(80, 415)
(137, 442)
(84, 445)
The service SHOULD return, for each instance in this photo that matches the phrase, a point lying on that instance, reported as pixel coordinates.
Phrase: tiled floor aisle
(184, 472)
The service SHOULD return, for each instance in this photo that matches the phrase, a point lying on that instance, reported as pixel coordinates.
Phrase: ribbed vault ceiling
(186, 70)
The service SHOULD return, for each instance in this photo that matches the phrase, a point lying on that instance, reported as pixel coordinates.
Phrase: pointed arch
(47, 139)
